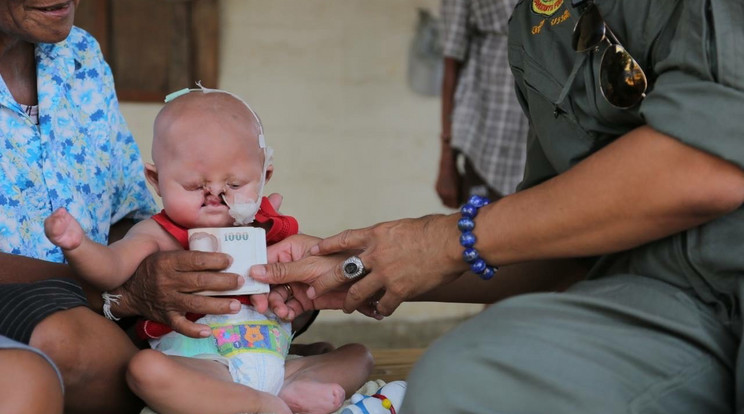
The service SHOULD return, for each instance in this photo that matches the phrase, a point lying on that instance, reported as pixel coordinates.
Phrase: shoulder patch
(546, 7)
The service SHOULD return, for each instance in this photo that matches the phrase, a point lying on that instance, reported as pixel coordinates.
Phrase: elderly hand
(290, 265)
(403, 258)
(162, 289)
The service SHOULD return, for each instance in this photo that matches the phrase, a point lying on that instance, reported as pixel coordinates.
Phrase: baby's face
(211, 162)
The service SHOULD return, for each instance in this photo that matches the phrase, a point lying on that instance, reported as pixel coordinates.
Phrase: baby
(210, 164)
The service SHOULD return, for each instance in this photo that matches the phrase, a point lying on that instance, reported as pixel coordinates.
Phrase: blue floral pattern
(80, 156)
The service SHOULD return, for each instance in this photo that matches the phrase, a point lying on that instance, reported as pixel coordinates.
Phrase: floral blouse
(80, 156)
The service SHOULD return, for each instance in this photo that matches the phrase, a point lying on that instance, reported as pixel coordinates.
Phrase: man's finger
(387, 304)
(346, 240)
(362, 291)
(330, 300)
(277, 273)
(369, 309)
(329, 281)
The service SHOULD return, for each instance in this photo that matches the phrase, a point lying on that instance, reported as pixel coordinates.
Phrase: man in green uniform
(634, 169)
(657, 328)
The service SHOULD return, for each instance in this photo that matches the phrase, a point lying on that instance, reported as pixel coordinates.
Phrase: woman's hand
(403, 258)
(163, 287)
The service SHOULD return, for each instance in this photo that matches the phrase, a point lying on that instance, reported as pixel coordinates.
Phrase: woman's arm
(640, 188)
(21, 269)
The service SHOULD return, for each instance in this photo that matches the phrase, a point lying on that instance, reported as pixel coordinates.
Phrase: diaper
(253, 346)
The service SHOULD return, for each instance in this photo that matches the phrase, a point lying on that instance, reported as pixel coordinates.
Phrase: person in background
(631, 207)
(484, 132)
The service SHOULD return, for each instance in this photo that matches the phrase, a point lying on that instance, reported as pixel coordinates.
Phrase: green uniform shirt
(693, 54)
(657, 329)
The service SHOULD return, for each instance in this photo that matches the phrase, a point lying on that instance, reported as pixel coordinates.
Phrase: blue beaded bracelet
(466, 224)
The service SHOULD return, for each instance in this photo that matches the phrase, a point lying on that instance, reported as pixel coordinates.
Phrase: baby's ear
(269, 172)
(151, 174)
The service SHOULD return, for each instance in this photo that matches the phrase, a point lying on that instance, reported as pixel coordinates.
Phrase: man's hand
(403, 258)
(290, 266)
(163, 287)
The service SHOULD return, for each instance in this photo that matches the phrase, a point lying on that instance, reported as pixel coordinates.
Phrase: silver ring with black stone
(353, 268)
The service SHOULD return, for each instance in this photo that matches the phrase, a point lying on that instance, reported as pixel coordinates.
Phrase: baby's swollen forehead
(219, 107)
(206, 173)
(199, 146)
(234, 137)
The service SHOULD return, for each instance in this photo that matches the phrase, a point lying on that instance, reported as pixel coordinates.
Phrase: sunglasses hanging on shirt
(621, 79)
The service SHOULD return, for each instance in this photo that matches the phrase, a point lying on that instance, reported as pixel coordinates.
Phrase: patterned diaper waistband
(252, 336)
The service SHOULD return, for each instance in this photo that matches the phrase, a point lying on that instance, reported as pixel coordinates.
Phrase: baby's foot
(63, 230)
(268, 403)
(312, 397)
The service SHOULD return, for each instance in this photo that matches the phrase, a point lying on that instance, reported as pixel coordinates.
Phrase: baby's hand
(277, 301)
(63, 230)
(260, 302)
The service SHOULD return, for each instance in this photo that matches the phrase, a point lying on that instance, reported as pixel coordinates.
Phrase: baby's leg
(171, 384)
(320, 383)
(63, 230)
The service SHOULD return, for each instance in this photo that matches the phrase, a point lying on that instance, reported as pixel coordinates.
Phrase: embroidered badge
(546, 7)
(258, 336)
(563, 17)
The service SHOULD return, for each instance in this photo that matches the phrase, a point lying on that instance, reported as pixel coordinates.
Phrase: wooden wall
(155, 47)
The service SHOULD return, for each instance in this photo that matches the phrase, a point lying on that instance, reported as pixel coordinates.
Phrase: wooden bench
(395, 363)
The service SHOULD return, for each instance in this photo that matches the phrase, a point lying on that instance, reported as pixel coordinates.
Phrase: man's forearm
(642, 187)
(511, 280)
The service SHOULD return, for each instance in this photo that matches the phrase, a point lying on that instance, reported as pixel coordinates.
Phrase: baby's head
(208, 154)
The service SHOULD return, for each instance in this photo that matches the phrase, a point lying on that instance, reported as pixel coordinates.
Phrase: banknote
(246, 245)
